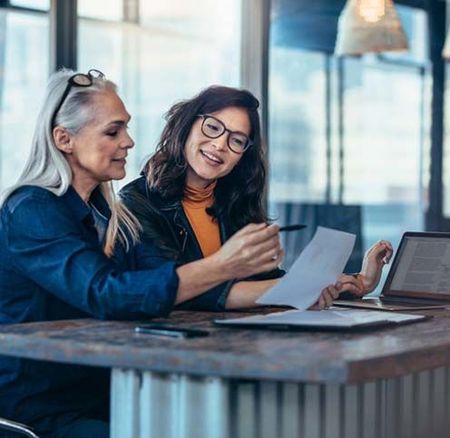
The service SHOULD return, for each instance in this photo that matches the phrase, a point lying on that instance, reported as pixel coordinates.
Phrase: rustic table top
(290, 356)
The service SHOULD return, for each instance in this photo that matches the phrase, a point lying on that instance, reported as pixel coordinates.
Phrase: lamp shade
(369, 26)
(446, 50)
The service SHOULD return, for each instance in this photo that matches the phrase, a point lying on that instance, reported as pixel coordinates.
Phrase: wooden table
(390, 382)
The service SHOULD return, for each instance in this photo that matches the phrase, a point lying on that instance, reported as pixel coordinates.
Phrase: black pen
(295, 227)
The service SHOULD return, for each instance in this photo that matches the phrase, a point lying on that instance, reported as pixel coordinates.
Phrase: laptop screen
(421, 267)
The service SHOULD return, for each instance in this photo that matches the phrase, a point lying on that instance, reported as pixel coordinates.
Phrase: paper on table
(319, 264)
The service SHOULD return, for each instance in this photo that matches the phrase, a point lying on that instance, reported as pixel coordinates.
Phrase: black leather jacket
(166, 228)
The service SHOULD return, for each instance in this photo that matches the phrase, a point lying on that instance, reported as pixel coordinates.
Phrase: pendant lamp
(369, 26)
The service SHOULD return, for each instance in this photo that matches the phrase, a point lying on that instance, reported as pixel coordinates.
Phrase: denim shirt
(52, 267)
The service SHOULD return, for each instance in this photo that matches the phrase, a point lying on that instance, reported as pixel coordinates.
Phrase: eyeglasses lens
(237, 142)
(213, 128)
(96, 74)
(82, 80)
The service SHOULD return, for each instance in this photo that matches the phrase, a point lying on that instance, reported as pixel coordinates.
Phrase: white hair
(47, 166)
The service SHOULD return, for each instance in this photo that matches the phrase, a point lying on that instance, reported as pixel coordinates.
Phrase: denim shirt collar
(80, 209)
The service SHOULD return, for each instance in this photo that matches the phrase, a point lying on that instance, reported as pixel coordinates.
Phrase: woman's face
(210, 158)
(98, 151)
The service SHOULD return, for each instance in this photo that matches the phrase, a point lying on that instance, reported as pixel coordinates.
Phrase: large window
(24, 48)
(446, 162)
(385, 142)
(157, 53)
(348, 137)
(169, 51)
(42, 5)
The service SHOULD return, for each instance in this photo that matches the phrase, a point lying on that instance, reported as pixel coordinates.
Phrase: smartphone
(158, 329)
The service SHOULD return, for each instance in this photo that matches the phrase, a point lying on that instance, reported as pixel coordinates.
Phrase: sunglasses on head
(77, 80)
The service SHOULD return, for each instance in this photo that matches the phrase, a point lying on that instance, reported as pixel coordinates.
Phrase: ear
(62, 139)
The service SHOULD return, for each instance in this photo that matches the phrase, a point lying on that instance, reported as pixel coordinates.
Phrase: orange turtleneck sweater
(195, 202)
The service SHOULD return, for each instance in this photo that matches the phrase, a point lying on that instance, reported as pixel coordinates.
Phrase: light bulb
(371, 10)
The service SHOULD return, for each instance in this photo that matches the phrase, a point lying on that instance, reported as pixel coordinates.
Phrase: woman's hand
(252, 250)
(375, 258)
(331, 292)
(327, 296)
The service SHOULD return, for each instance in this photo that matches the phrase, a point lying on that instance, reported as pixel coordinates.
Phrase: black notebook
(330, 319)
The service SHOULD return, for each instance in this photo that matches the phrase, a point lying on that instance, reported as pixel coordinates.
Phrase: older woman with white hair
(59, 226)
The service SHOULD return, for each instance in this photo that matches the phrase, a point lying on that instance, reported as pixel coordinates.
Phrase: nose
(221, 142)
(128, 142)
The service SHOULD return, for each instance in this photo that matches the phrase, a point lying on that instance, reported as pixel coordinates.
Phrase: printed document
(319, 265)
(424, 266)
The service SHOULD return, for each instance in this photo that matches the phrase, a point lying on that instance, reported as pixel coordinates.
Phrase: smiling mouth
(211, 157)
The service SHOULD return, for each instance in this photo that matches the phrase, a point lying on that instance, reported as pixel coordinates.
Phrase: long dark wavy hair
(238, 195)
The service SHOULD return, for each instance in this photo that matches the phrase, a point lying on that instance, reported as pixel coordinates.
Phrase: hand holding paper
(319, 265)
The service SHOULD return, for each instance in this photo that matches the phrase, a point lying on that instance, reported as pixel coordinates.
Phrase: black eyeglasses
(77, 80)
(214, 128)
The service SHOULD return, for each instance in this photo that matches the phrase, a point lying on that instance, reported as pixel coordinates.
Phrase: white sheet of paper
(319, 264)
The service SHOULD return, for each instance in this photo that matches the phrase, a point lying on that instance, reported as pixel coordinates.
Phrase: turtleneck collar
(197, 197)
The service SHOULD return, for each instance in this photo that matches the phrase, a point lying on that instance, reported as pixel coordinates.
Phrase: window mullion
(63, 34)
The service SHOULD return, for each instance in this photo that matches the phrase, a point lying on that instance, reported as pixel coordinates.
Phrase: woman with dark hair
(206, 182)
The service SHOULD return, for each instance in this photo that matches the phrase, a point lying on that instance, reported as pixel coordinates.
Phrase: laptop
(419, 277)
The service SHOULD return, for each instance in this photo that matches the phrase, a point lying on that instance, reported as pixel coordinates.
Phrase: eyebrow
(118, 123)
